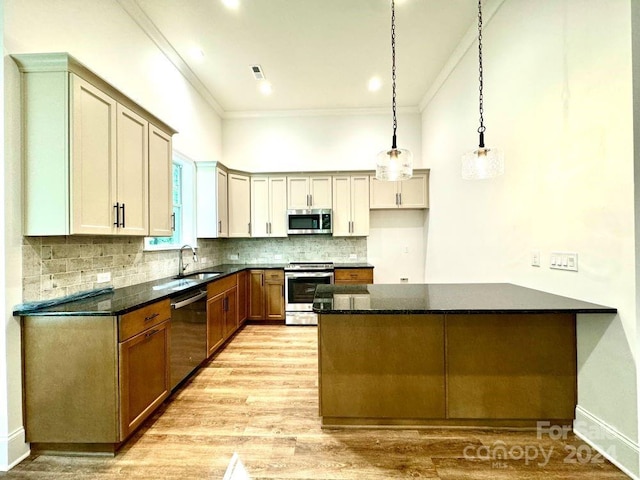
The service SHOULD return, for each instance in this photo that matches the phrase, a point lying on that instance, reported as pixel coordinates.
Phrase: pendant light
(397, 163)
(484, 162)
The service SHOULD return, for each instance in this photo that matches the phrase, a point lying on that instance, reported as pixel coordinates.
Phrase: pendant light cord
(481, 128)
(393, 71)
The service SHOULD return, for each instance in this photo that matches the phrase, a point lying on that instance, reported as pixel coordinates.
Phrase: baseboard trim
(13, 449)
(616, 447)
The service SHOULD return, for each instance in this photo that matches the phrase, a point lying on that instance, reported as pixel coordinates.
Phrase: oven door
(300, 287)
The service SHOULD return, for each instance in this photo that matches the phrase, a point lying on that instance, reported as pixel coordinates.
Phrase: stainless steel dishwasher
(188, 334)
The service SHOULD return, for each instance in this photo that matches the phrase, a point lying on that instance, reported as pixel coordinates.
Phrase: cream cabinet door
(278, 206)
(342, 206)
(320, 191)
(414, 192)
(222, 197)
(359, 205)
(93, 160)
(383, 194)
(298, 193)
(133, 181)
(260, 206)
(160, 183)
(239, 205)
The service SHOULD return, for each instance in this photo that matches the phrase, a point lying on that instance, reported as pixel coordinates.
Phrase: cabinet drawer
(219, 286)
(273, 275)
(353, 275)
(139, 320)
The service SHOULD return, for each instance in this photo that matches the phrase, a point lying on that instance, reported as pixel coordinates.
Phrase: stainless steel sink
(200, 276)
(177, 284)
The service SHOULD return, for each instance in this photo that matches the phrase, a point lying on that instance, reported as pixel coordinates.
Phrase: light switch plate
(353, 256)
(103, 277)
(234, 256)
(564, 261)
(535, 258)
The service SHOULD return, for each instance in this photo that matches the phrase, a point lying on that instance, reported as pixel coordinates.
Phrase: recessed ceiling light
(232, 4)
(374, 84)
(265, 88)
(197, 53)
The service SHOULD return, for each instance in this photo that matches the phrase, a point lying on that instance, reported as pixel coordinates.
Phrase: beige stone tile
(54, 266)
(79, 264)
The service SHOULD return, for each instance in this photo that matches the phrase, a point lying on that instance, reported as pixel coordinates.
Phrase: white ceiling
(317, 54)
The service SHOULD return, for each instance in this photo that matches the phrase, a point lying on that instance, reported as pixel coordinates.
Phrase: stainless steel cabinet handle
(151, 333)
(173, 222)
(219, 226)
(400, 198)
(249, 228)
(151, 317)
(122, 208)
(117, 215)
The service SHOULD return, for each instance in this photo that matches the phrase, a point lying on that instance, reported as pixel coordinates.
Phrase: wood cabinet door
(320, 191)
(160, 183)
(222, 201)
(342, 206)
(353, 276)
(243, 296)
(274, 295)
(215, 322)
(144, 376)
(239, 206)
(414, 192)
(93, 159)
(132, 173)
(230, 311)
(298, 192)
(256, 295)
(278, 206)
(360, 205)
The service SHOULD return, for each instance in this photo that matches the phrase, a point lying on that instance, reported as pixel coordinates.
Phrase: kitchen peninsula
(494, 355)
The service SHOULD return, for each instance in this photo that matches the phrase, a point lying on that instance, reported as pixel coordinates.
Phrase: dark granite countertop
(126, 299)
(352, 265)
(465, 298)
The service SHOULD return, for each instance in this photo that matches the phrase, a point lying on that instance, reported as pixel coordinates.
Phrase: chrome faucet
(181, 266)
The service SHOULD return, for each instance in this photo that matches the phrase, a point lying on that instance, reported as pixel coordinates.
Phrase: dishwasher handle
(188, 301)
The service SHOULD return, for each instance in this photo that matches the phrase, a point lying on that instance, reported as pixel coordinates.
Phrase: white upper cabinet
(304, 192)
(412, 193)
(268, 206)
(160, 183)
(239, 205)
(86, 152)
(350, 205)
(212, 202)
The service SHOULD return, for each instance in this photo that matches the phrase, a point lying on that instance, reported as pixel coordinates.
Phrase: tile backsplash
(58, 266)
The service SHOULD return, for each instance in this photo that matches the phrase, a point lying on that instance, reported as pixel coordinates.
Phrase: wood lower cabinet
(222, 311)
(243, 296)
(353, 275)
(266, 295)
(90, 381)
(144, 375)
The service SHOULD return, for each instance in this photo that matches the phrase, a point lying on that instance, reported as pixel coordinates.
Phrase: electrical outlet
(353, 256)
(535, 258)
(277, 256)
(103, 277)
(234, 256)
(564, 261)
(404, 280)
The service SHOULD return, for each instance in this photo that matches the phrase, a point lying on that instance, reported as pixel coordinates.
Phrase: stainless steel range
(301, 279)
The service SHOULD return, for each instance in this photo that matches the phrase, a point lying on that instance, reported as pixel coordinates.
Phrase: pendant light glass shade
(482, 163)
(394, 164)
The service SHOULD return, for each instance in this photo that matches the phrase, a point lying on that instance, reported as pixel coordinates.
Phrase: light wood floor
(258, 398)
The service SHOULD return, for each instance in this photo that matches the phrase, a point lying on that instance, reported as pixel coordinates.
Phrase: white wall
(558, 101)
(101, 35)
(396, 243)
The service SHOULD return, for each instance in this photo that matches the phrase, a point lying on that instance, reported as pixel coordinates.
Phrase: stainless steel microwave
(314, 221)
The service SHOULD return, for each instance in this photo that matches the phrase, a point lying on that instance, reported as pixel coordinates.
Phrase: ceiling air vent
(257, 72)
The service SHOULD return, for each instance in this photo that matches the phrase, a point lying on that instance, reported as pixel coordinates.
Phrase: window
(183, 178)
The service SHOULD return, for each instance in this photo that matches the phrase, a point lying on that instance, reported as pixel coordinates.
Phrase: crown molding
(467, 41)
(151, 30)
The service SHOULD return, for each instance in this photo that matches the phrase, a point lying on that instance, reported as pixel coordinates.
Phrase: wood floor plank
(258, 398)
